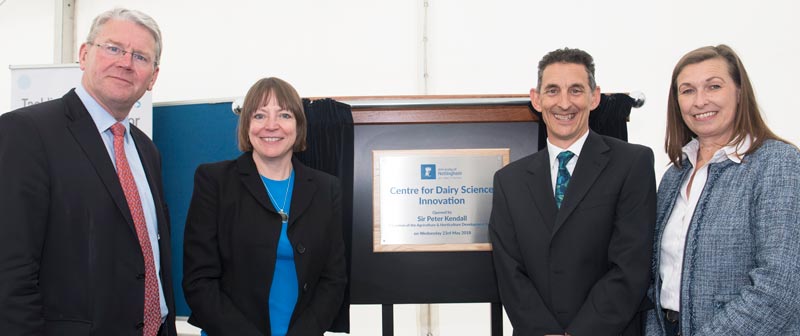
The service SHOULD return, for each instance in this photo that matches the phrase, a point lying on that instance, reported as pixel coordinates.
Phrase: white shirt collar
(575, 148)
(102, 119)
(734, 153)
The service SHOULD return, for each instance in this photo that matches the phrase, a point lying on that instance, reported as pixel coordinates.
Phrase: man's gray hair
(132, 15)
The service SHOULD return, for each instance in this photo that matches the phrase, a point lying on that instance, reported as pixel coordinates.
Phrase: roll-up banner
(33, 84)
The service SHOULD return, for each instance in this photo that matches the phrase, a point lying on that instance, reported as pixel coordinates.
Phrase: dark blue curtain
(330, 149)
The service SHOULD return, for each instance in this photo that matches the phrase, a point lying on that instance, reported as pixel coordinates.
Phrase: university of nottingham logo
(428, 171)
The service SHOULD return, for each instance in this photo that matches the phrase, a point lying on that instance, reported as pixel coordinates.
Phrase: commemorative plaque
(433, 200)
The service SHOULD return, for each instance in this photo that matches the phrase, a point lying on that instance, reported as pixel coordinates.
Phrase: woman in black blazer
(263, 247)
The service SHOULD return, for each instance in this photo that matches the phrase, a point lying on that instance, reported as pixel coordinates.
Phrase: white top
(673, 240)
(554, 150)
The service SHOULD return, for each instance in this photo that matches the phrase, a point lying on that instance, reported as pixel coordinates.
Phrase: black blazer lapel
(248, 173)
(541, 187)
(592, 160)
(84, 131)
(152, 170)
(304, 189)
(151, 166)
(302, 193)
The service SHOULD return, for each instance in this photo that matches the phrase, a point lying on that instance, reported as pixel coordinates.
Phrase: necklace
(284, 216)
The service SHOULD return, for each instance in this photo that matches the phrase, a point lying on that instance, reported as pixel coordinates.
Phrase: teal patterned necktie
(563, 176)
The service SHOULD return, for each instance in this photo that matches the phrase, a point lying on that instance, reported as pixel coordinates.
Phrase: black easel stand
(387, 319)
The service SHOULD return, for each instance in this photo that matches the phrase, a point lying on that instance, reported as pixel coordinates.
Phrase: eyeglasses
(117, 51)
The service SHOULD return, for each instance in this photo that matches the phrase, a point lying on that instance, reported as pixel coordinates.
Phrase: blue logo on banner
(24, 82)
(428, 171)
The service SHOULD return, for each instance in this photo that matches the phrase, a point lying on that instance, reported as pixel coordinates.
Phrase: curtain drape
(330, 149)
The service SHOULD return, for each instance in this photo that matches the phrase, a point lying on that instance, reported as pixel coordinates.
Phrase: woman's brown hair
(747, 121)
(258, 96)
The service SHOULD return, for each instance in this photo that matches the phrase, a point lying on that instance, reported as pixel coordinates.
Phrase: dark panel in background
(423, 277)
(188, 135)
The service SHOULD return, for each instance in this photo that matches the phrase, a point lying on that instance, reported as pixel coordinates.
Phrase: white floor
(186, 329)
(409, 320)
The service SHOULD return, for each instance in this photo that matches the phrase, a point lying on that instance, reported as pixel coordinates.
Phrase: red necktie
(152, 305)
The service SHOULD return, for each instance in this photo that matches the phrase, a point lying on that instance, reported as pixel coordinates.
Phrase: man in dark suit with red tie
(84, 235)
(572, 225)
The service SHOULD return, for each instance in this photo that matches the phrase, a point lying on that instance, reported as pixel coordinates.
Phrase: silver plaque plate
(434, 200)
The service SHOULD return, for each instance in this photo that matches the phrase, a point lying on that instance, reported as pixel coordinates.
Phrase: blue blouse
(284, 289)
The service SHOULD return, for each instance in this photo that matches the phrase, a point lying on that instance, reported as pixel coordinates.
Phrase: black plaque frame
(428, 122)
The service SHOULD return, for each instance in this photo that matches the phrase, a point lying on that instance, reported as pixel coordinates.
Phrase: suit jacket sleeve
(202, 265)
(24, 204)
(527, 311)
(329, 291)
(773, 299)
(616, 297)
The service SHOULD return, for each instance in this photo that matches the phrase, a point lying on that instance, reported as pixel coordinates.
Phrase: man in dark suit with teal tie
(572, 225)
(84, 234)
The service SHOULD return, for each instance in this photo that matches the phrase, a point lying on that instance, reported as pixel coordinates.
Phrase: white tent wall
(27, 30)
(216, 49)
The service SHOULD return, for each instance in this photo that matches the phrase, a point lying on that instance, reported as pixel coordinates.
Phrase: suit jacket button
(301, 249)
(305, 287)
(140, 325)
(140, 276)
